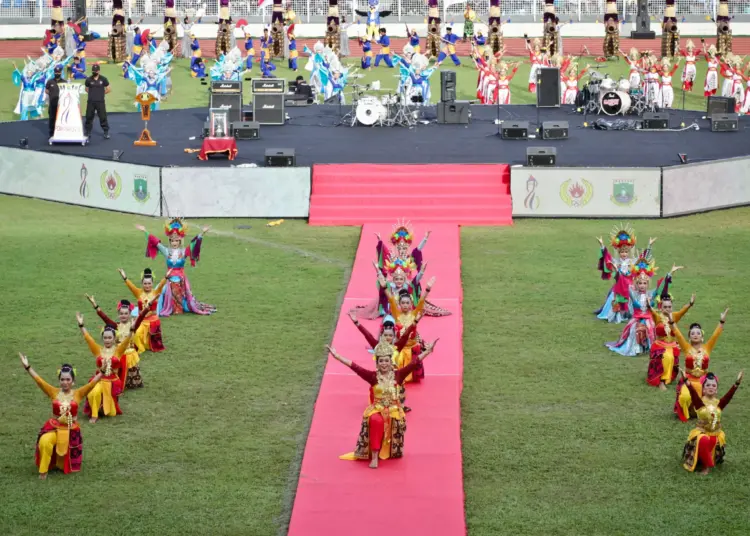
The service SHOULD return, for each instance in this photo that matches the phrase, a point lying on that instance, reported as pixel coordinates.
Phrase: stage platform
(313, 134)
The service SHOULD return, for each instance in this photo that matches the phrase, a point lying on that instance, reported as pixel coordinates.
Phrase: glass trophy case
(218, 123)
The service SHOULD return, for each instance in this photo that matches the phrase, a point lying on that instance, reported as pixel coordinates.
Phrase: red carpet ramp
(464, 194)
(421, 493)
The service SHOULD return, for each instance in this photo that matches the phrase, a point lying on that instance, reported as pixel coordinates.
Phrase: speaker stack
(227, 94)
(449, 110)
(548, 87)
(268, 101)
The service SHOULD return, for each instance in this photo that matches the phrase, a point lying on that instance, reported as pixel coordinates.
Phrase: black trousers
(99, 109)
(52, 116)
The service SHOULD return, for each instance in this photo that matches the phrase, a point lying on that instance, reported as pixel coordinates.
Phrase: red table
(226, 146)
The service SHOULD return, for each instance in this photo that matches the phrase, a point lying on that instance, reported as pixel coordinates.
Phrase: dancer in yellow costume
(664, 352)
(148, 335)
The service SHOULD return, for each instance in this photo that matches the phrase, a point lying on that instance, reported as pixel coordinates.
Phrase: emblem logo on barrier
(83, 189)
(140, 189)
(576, 194)
(623, 193)
(531, 201)
(111, 185)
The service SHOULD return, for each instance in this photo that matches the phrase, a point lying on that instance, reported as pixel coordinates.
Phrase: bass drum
(370, 110)
(615, 103)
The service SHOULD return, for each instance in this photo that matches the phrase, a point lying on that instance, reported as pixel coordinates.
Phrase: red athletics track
(515, 46)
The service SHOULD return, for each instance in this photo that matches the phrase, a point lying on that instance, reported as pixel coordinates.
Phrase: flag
(261, 2)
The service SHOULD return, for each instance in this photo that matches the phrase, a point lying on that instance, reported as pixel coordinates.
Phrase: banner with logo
(237, 192)
(69, 123)
(585, 192)
(706, 186)
(80, 181)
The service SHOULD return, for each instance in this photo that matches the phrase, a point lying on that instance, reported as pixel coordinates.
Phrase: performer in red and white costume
(731, 70)
(666, 91)
(633, 60)
(571, 78)
(746, 103)
(562, 64)
(538, 60)
(688, 72)
(652, 83)
(712, 74)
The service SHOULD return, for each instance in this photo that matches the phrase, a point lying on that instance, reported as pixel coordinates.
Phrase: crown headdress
(644, 268)
(176, 226)
(622, 237)
(401, 233)
(383, 349)
(400, 265)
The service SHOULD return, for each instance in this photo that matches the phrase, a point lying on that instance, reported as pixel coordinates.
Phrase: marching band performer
(333, 38)
(666, 92)
(470, 17)
(385, 49)
(373, 15)
(689, 71)
(723, 30)
(383, 422)
(225, 30)
(432, 42)
(665, 352)
(697, 360)
(59, 442)
(293, 53)
(117, 45)
(670, 34)
(249, 50)
(706, 442)
(413, 39)
(611, 43)
(449, 48)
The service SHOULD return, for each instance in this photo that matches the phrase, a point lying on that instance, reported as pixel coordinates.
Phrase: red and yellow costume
(60, 443)
(706, 442)
(148, 335)
(106, 393)
(697, 361)
(383, 421)
(130, 371)
(665, 352)
(405, 321)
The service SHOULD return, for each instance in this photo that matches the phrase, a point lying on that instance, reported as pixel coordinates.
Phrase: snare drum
(624, 85)
(370, 110)
(615, 103)
(608, 85)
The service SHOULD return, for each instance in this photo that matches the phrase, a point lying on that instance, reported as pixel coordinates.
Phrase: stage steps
(466, 194)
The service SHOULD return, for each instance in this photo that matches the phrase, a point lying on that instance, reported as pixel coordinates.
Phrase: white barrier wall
(706, 186)
(80, 181)
(236, 192)
(585, 192)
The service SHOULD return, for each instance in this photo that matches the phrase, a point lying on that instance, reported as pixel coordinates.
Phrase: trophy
(145, 100)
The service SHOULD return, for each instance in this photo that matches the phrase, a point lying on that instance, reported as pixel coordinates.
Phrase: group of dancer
(651, 327)
(117, 356)
(398, 349)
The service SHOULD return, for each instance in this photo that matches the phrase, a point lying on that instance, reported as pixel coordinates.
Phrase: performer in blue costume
(373, 15)
(249, 49)
(31, 97)
(414, 82)
(449, 48)
(293, 53)
(385, 52)
(149, 79)
(366, 53)
(265, 42)
(267, 68)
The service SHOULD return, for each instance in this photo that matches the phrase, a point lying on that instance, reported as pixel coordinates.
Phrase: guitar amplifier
(453, 113)
(227, 94)
(541, 156)
(555, 130)
(515, 130)
(655, 120)
(280, 158)
(245, 130)
(724, 123)
(272, 86)
(268, 109)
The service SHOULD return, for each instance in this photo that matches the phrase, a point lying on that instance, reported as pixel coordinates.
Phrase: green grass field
(560, 436)
(189, 93)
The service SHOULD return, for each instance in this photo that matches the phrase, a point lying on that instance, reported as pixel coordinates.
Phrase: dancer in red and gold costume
(383, 421)
(706, 442)
(105, 395)
(697, 359)
(130, 370)
(148, 336)
(60, 443)
(177, 297)
(665, 352)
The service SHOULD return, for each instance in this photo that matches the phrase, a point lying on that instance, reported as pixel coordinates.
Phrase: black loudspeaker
(453, 113)
(447, 86)
(516, 130)
(206, 129)
(541, 156)
(247, 114)
(227, 94)
(555, 130)
(280, 158)
(724, 123)
(720, 105)
(642, 23)
(268, 109)
(655, 120)
(548, 87)
(245, 130)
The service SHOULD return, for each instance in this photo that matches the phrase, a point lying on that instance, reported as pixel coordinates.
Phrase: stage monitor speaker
(280, 158)
(206, 129)
(555, 130)
(227, 94)
(245, 130)
(642, 23)
(516, 130)
(720, 105)
(548, 87)
(268, 109)
(447, 86)
(655, 120)
(724, 123)
(541, 156)
(453, 113)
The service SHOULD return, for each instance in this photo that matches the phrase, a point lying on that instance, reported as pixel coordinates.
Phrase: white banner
(585, 192)
(80, 181)
(236, 192)
(706, 186)
(69, 123)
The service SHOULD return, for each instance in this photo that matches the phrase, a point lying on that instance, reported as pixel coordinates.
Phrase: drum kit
(387, 110)
(603, 95)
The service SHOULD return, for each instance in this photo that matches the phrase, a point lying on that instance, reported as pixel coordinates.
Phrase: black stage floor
(311, 132)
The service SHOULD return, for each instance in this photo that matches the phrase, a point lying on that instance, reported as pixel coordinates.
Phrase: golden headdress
(622, 237)
(176, 226)
(383, 349)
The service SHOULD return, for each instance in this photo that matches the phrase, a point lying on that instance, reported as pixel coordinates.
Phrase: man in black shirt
(96, 86)
(53, 93)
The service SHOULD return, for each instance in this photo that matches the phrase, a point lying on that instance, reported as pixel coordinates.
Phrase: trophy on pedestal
(145, 100)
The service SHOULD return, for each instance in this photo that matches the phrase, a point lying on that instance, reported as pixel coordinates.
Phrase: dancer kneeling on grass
(383, 421)
(664, 353)
(706, 442)
(130, 370)
(177, 297)
(697, 360)
(60, 443)
(148, 337)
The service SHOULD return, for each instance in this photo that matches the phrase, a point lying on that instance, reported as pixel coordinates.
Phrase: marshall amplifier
(516, 130)
(655, 120)
(724, 123)
(280, 158)
(541, 156)
(274, 86)
(245, 130)
(268, 109)
(555, 130)
(227, 94)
